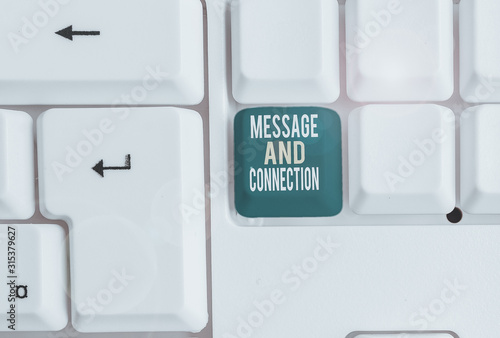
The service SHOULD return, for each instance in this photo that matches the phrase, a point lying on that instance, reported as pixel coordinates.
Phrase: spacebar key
(404, 335)
(130, 184)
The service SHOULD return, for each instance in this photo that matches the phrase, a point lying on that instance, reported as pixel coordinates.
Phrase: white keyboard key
(399, 50)
(116, 52)
(480, 166)
(402, 159)
(17, 178)
(404, 335)
(131, 186)
(285, 51)
(479, 51)
(34, 278)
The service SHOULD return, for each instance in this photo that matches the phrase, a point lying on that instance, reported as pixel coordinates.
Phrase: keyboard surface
(249, 169)
(413, 251)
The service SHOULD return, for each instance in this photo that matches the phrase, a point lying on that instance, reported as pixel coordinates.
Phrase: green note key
(288, 162)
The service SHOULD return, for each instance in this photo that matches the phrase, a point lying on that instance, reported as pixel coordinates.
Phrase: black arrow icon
(68, 33)
(99, 167)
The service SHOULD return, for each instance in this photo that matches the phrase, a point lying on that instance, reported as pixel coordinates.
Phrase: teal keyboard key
(288, 162)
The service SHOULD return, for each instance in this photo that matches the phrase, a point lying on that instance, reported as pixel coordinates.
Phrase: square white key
(399, 50)
(113, 52)
(17, 165)
(480, 163)
(285, 51)
(479, 50)
(34, 278)
(402, 159)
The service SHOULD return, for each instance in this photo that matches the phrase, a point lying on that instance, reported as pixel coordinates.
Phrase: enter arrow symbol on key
(68, 33)
(100, 168)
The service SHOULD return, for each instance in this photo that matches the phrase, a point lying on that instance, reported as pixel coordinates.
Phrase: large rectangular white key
(34, 278)
(17, 178)
(130, 184)
(479, 50)
(399, 50)
(120, 52)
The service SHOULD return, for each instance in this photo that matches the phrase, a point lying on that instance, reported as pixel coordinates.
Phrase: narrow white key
(479, 51)
(402, 159)
(399, 50)
(119, 52)
(34, 278)
(130, 184)
(480, 166)
(285, 51)
(17, 178)
(404, 335)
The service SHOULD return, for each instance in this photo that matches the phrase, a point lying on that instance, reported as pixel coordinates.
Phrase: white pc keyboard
(249, 168)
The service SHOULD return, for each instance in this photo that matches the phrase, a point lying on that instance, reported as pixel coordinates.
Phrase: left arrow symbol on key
(68, 33)
(100, 168)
